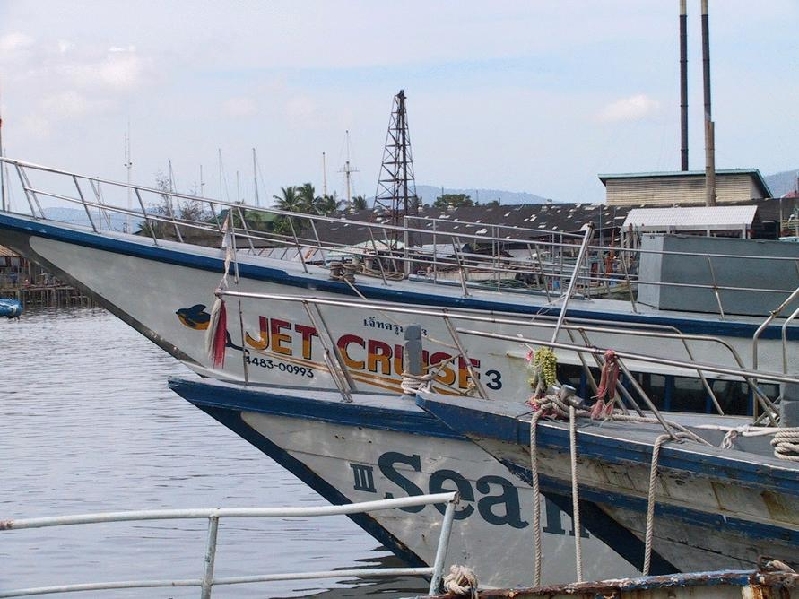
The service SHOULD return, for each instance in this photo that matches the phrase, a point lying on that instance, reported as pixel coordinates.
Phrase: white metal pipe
(268, 512)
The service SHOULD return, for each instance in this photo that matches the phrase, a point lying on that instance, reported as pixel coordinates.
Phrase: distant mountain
(782, 183)
(778, 183)
(428, 194)
(78, 216)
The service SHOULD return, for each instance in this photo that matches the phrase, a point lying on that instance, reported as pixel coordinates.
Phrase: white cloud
(633, 108)
(117, 71)
(301, 109)
(64, 46)
(239, 107)
(34, 126)
(121, 70)
(64, 104)
(15, 41)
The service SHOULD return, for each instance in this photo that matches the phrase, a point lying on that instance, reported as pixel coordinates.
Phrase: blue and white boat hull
(381, 446)
(166, 292)
(714, 507)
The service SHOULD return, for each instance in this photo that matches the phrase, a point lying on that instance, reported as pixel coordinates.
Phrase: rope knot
(461, 581)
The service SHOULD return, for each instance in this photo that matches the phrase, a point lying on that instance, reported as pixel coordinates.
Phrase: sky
(519, 95)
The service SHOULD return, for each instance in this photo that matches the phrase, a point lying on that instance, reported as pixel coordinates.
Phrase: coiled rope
(461, 581)
(785, 441)
(786, 444)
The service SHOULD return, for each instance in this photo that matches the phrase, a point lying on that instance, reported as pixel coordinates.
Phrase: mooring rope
(575, 493)
(650, 502)
(537, 533)
(554, 406)
(461, 581)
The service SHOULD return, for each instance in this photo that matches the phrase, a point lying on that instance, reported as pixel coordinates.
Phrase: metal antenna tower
(396, 188)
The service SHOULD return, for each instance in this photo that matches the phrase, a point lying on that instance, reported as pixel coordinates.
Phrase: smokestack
(710, 144)
(684, 81)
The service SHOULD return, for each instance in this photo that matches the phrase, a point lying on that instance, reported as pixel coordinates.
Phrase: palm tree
(328, 204)
(359, 203)
(288, 200)
(308, 200)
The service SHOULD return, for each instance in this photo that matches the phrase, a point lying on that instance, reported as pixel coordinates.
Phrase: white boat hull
(714, 507)
(167, 292)
(377, 448)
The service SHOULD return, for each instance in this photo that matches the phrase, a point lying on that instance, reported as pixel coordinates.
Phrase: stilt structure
(396, 188)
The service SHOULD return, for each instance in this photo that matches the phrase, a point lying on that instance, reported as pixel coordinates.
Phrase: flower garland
(543, 364)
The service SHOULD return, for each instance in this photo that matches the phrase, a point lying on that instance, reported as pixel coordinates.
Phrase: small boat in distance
(10, 308)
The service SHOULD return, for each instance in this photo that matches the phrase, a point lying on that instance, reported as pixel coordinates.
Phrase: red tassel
(606, 390)
(220, 338)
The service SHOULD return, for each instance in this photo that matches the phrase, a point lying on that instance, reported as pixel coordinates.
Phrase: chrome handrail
(550, 251)
(213, 515)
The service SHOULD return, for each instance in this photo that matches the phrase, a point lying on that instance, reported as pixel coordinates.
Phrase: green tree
(328, 204)
(453, 199)
(308, 199)
(288, 200)
(359, 203)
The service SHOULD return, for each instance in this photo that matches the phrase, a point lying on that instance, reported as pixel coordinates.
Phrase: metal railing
(440, 250)
(459, 322)
(207, 581)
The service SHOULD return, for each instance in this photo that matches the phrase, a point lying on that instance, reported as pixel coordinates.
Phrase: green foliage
(453, 199)
(302, 199)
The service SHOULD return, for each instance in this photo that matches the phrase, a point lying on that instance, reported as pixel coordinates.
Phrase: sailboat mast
(3, 204)
(221, 184)
(348, 170)
(324, 174)
(684, 81)
(710, 129)
(128, 168)
(255, 176)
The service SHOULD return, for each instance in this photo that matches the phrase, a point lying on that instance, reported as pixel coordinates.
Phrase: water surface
(89, 424)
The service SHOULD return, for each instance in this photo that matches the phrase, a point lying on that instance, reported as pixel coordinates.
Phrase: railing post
(589, 233)
(210, 556)
(443, 546)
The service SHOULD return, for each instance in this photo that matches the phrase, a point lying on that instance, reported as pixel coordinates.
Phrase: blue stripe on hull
(700, 520)
(592, 444)
(243, 399)
(508, 429)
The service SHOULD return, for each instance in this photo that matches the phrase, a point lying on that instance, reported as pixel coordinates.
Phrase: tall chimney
(710, 144)
(684, 81)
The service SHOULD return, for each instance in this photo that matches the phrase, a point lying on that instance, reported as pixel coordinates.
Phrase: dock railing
(207, 581)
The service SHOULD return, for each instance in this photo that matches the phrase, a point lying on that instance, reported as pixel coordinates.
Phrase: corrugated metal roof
(753, 173)
(4, 251)
(691, 218)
